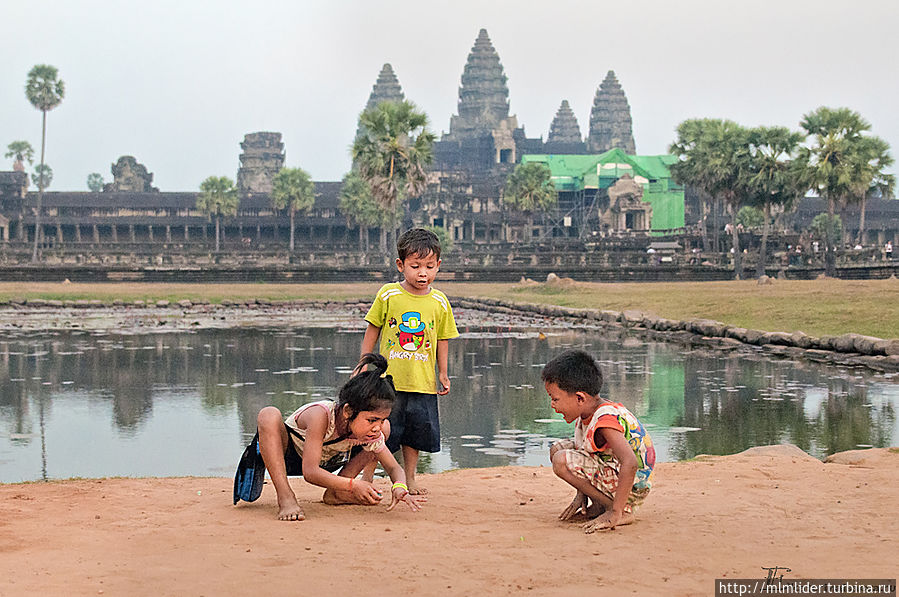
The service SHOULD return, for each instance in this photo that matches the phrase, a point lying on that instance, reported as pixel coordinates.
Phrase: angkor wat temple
(609, 196)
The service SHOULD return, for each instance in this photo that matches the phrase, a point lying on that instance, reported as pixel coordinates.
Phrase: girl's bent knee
(269, 416)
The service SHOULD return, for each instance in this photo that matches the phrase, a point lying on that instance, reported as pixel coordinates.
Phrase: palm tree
(20, 151)
(530, 188)
(95, 182)
(43, 176)
(218, 198)
(714, 157)
(293, 189)
(392, 151)
(45, 91)
(873, 158)
(829, 166)
(357, 203)
(771, 183)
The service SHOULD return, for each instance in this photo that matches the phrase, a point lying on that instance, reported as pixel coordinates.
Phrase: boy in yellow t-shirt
(414, 322)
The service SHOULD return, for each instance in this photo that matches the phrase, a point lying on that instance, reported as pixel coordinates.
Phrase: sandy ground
(483, 532)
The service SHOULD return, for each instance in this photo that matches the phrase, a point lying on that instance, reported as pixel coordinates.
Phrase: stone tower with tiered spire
(610, 120)
(262, 158)
(386, 89)
(483, 95)
(564, 128)
(564, 133)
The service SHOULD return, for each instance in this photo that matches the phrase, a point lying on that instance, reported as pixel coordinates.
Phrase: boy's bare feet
(289, 509)
(586, 514)
(416, 489)
(602, 522)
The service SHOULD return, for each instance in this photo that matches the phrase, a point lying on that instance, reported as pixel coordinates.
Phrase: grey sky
(177, 84)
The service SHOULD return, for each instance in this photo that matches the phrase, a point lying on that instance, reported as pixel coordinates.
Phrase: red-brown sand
(483, 532)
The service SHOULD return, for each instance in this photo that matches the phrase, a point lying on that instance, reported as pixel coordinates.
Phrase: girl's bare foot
(337, 498)
(289, 509)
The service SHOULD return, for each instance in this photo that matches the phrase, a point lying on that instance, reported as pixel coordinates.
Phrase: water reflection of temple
(61, 387)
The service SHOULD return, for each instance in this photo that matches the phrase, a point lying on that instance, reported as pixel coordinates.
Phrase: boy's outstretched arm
(370, 340)
(442, 360)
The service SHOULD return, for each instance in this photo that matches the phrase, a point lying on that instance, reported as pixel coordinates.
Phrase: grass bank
(817, 307)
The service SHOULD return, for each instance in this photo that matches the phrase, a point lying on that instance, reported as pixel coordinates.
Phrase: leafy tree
(20, 151)
(771, 183)
(45, 91)
(530, 188)
(392, 151)
(218, 198)
(95, 182)
(446, 241)
(830, 165)
(714, 157)
(293, 189)
(357, 202)
(824, 225)
(750, 217)
(43, 176)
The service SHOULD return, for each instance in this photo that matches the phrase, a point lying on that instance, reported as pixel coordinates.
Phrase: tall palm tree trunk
(218, 220)
(40, 189)
(763, 250)
(861, 220)
(292, 215)
(715, 227)
(830, 267)
(704, 209)
(738, 262)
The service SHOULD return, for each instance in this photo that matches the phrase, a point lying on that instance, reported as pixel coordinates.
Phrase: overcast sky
(177, 84)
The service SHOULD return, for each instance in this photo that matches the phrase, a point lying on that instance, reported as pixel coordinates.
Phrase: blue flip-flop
(250, 473)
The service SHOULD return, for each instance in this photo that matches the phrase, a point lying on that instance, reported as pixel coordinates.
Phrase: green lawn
(816, 307)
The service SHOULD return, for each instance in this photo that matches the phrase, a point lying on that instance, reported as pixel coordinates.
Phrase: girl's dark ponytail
(370, 388)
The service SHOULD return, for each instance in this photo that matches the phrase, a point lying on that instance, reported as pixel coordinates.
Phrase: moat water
(171, 404)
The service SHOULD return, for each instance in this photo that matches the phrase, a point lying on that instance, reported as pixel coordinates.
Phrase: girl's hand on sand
(401, 495)
(578, 504)
(366, 492)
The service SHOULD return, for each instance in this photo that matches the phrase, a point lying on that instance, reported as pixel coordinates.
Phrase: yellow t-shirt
(411, 325)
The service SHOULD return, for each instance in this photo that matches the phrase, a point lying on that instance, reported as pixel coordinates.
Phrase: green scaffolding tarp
(600, 171)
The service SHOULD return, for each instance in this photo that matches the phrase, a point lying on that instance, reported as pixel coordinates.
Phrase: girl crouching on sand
(326, 436)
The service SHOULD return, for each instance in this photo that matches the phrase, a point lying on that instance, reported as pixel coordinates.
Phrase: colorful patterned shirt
(411, 325)
(616, 416)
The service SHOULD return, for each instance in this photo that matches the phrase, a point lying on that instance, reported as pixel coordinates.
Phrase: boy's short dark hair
(417, 241)
(574, 371)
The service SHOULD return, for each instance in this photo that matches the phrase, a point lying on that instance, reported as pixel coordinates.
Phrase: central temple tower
(483, 96)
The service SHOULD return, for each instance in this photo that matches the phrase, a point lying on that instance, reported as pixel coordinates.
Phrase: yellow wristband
(401, 486)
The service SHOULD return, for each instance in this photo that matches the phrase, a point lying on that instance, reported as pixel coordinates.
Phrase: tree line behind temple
(751, 174)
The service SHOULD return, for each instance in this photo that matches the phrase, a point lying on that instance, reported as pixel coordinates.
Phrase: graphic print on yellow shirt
(411, 325)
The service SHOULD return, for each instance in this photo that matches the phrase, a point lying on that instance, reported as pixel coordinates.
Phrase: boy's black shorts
(414, 422)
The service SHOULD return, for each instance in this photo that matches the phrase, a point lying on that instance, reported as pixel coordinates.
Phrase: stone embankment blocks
(847, 349)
